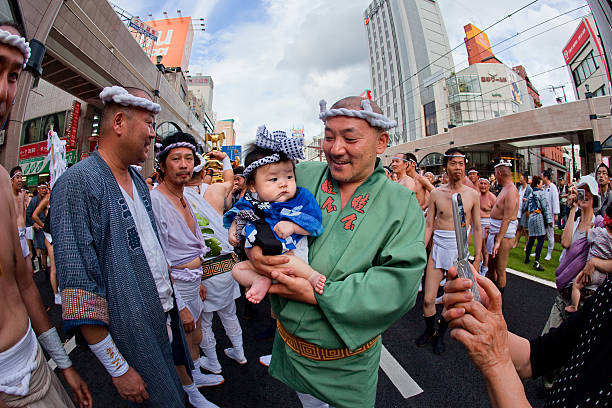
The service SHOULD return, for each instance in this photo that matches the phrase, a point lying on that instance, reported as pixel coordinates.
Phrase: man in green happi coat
(328, 346)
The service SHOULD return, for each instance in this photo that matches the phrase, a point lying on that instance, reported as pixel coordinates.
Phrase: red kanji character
(348, 221)
(359, 202)
(328, 187)
(329, 205)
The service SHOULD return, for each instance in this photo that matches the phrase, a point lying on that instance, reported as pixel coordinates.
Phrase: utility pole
(554, 88)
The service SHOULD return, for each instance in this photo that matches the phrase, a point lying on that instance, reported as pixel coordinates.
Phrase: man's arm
(217, 193)
(429, 221)
(42, 206)
(425, 182)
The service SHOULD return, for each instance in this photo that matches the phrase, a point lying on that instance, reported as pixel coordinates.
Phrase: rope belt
(536, 212)
(314, 352)
(219, 265)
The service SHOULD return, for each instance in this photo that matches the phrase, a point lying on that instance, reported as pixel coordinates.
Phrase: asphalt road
(450, 380)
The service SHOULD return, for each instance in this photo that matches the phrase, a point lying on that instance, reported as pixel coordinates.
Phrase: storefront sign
(37, 165)
(74, 124)
(575, 43)
(232, 151)
(492, 78)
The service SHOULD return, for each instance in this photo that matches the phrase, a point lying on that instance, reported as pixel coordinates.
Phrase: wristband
(227, 164)
(110, 357)
(52, 344)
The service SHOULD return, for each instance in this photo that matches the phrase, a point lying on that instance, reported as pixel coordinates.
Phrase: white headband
(175, 146)
(503, 162)
(366, 113)
(484, 179)
(473, 171)
(457, 155)
(18, 42)
(200, 166)
(121, 96)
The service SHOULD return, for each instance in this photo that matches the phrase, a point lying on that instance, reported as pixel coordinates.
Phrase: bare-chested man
(25, 376)
(404, 165)
(430, 176)
(487, 201)
(503, 225)
(19, 197)
(473, 176)
(440, 228)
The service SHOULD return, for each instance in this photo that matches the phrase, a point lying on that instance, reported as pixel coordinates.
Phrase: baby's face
(275, 182)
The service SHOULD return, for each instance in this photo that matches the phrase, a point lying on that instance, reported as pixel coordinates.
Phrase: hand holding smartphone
(462, 264)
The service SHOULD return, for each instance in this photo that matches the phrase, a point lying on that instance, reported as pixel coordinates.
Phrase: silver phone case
(462, 263)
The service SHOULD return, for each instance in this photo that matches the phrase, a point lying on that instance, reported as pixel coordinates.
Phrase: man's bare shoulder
(5, 184)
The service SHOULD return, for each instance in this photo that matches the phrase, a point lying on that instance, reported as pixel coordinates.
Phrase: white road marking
(532, 278)
(398, 376)
(68, 346)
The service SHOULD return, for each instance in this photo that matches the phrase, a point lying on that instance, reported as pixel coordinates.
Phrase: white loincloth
(29, 233)
(17, 365)
(190, 295)
(484, 223)
(494, 230)
(48, 237)
(25, 249)
(444, 252)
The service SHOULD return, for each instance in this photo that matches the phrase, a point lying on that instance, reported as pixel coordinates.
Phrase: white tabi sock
(196, 399)
(209, 361)
(206, 380)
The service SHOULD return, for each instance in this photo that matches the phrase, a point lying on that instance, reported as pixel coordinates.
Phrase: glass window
(431, 125)
(601, 91)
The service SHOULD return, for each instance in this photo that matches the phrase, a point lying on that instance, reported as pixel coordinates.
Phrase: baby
(274, 214)
(600, 241)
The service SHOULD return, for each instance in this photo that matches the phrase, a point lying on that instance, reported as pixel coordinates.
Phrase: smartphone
(463, 264)
(581, 196)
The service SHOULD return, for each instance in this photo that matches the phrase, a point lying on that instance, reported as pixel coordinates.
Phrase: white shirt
(552, 194)
(151, 247)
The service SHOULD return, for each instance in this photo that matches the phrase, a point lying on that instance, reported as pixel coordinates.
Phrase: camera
(581, 196)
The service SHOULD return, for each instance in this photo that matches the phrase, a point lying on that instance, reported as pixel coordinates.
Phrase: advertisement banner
(576, 42)
(232, 151)
(74, 124)
(40, 164)
(143, 28)
(174, 41)
(35, 130)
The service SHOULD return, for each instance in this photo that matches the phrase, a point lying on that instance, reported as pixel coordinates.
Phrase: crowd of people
(140, 266)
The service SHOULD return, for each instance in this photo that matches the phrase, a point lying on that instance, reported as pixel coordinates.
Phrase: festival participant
(274, 214)
(444, 178)
(114, 277)
(19, 198)
(25, 377)
(525, 191)
(487, 201)
(238, 190)
(42, 210)
(38, 241)
(440, 228)
(430, 176)
(405, 165)
(474, 177)
(219, 259)
(503, 225)
(552, 195)
(184, 247)
(342, 326)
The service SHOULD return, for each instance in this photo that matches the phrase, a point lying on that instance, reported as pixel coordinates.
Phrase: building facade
(584, 56)
(226, 127)
(409, 52)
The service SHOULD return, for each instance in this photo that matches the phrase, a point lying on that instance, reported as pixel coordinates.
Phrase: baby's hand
(232, 238)
(284, 229)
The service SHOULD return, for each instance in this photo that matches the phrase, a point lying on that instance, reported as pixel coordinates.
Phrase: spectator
(523, 213)
(580, 347)
(539, 217)
(602, 174)
(573, 258)
(564, 209)
(552, 195)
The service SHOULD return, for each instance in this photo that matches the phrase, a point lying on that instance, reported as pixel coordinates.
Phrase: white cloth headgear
(374, 119)
(18, 42)
(200, 166)
(121, 96)
(502, 162)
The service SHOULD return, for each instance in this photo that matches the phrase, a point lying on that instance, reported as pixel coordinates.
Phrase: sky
(273, 60)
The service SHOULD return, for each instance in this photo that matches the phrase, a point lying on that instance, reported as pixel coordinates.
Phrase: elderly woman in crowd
(580, 347)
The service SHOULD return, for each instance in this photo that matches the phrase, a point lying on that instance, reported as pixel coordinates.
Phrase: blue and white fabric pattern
(302, 210)
(276, 141)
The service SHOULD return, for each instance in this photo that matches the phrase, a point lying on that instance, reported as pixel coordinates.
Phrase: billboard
(173, 42)
(576, 42)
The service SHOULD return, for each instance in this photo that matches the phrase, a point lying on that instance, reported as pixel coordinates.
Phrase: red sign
(578, 39)
(28, 151)
(84, 156)
(74, 125)
(493, 79)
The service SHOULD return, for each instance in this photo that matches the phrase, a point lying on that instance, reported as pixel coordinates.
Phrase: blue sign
(232, 151)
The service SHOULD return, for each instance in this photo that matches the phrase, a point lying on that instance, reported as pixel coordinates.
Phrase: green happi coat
(373, 254)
